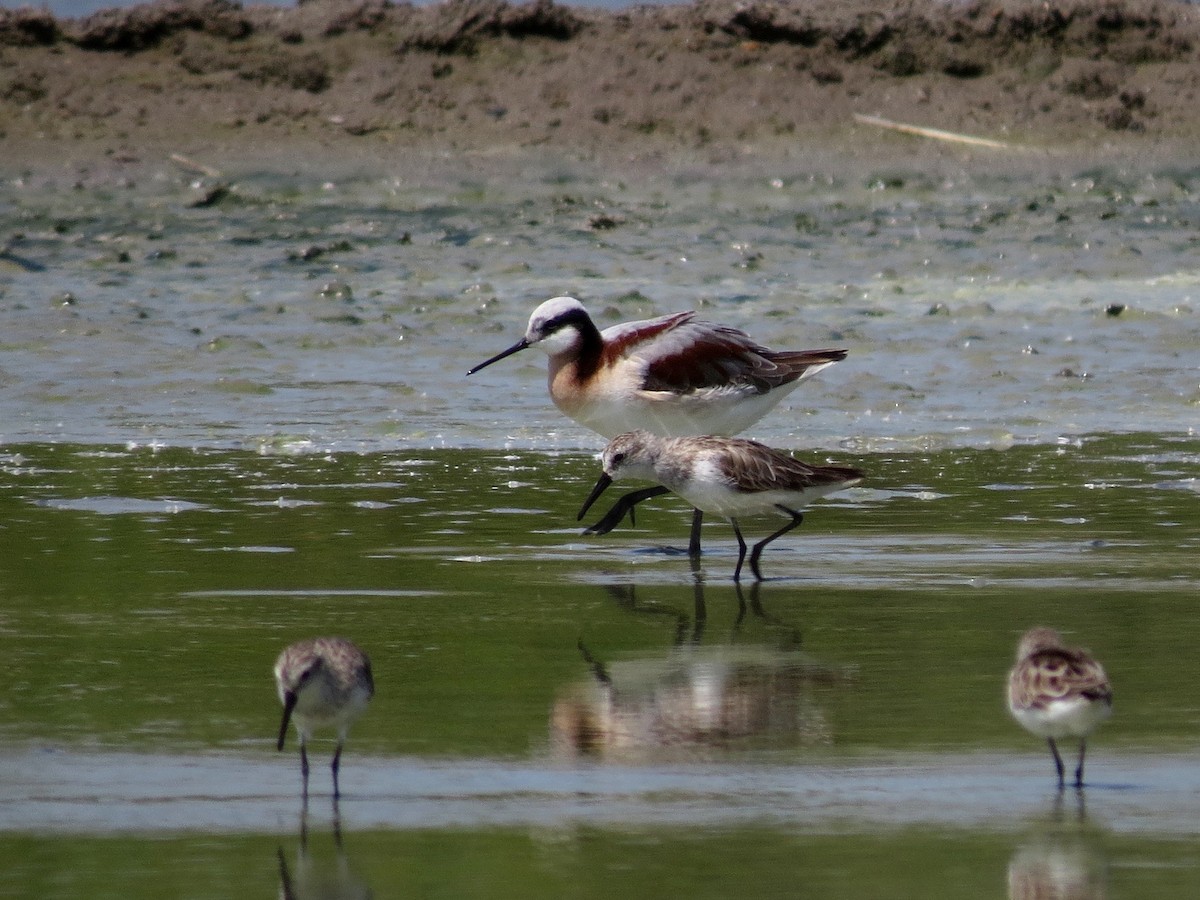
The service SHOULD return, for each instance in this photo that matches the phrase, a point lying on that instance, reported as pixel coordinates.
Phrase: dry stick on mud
(935, 133)
(191, 165)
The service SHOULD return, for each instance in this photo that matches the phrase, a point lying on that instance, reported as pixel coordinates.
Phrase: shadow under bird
(1058, 692)
(323, 682)
(731, 477)
(672, 376)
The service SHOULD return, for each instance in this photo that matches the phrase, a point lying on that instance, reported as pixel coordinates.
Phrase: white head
(558, 325)
(1037, 639)
(631, 455)
(628, 455)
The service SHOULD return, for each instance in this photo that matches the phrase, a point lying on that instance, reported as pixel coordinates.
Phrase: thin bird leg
(598, 668)
(285, 879)
(1058, 763)
(797, 518)
(743, 606)
(625, 505)
(694, 540)
(1079, 768)
(337, 758)
(304, 766)
(699, 607)
(737, 572)
(741, 599)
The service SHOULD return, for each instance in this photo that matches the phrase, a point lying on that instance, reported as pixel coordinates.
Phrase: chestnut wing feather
(627, 338)
(693, 355)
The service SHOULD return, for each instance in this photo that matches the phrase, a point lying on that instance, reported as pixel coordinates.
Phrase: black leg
(694, 540)
(797, 518)
(285, 879)
(737, 572)
(624, 505)
(1079, 768)
(1057, 762)
(304, 767)
(699, 607)
(337, 758)
(598, 668)
(741, 599)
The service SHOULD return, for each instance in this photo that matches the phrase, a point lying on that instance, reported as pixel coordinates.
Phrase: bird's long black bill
(602, 484)
(625, 505)
(515, 348)
(289, 703)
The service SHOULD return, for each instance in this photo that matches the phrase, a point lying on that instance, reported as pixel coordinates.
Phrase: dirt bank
(710, 81)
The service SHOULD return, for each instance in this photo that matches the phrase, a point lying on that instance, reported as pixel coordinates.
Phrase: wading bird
(322, 682)
(1058, 692)
(731, 477)
(672, 376)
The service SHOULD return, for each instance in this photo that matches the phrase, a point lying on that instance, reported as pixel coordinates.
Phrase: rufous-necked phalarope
(322, 682)
(730, 477)
(673, 376)
(1057, 692)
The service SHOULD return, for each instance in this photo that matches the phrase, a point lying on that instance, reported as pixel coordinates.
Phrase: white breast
(1072, 717)
(613, 406)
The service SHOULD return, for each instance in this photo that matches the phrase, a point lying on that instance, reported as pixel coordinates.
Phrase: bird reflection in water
(315, 874)
(696, 700)
(1062, 859)
(786, 636)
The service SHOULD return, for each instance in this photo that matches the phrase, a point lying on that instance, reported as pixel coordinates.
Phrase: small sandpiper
(1057, 692)
(322, 682)
(730, 477)
(673, 376)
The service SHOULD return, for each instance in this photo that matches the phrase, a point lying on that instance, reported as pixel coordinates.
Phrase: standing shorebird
(730, 477)
(1057, 692)
(322, 682)
(672, 376)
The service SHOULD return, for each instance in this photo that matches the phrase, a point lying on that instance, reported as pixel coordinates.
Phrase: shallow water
(215, 445)
(844, 716)
(341, 313)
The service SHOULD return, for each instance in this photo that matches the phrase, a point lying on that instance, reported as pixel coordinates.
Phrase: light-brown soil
(709, 82)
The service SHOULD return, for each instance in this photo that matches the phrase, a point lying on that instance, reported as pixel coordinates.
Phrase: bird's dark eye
(618, 458)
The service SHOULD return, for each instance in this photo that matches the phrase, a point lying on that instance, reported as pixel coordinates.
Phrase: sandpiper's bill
(1058, 692)
(672, 376)
(322, 682)
(731, 477)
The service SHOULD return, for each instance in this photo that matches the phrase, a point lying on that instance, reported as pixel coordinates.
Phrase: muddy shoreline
(362, 82)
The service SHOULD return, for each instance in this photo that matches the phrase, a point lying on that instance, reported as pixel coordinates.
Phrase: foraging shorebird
(672, 376)
(322, 682)
(1057, 692)
(730, 477)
